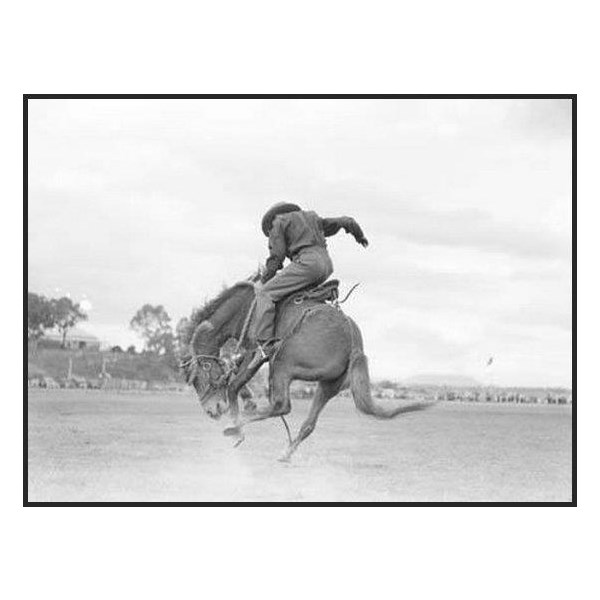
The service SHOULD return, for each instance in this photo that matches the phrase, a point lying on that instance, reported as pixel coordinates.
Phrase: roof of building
(75, 334)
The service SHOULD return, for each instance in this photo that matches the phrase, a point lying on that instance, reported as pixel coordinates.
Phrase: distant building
(77, 339)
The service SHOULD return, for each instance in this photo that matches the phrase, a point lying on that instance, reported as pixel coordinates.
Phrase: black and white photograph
(300, 299)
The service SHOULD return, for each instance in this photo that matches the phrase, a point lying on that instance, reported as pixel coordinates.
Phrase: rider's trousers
(310, 266)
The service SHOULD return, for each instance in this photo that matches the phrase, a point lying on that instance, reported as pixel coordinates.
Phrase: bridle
(205, 363)
(228, 366)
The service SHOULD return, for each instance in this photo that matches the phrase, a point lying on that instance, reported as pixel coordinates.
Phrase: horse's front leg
(235, 385)
(279, 403)
(234, 411)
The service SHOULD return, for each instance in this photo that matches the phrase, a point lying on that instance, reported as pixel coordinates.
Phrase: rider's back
(302, 229)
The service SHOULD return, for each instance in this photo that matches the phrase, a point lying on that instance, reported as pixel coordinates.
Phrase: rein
(246, 325)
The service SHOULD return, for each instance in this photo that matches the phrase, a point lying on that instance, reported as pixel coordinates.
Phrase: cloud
(466, 204)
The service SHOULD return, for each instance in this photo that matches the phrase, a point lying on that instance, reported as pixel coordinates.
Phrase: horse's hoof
(233, 432)
(285, 458)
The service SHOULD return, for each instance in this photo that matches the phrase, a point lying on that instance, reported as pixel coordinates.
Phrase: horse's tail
(360, 386)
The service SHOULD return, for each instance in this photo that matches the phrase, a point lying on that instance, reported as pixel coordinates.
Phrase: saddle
(324, 292)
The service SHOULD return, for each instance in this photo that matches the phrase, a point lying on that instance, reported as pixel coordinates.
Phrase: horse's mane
(207, 310)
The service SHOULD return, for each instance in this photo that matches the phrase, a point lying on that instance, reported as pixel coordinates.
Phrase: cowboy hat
(277, 209)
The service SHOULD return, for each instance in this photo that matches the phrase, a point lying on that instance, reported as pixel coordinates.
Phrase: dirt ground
(89, 446)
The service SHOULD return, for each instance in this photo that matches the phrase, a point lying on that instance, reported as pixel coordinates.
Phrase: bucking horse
(319, 342)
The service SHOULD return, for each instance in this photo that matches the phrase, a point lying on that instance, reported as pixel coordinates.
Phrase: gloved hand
(363, 242)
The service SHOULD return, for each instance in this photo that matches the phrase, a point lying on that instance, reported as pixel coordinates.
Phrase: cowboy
(300, 236)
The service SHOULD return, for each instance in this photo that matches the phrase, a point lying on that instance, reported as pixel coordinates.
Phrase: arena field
(94, 446)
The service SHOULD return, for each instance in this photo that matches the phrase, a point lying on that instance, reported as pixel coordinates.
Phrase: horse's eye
(206, 366)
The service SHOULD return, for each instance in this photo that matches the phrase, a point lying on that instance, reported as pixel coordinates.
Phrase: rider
(300, 236)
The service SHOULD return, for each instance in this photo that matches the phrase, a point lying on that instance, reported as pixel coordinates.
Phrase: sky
(466, 205)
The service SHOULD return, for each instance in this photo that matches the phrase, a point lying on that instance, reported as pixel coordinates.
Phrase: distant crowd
(499, 396)
(104, 383)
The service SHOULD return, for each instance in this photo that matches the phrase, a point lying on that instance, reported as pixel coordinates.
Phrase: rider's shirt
(293, 232)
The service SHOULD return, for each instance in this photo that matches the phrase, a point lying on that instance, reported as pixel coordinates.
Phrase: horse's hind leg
(325, 391)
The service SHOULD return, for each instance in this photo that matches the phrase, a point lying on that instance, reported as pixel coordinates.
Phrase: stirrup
(258, 358)
(261, 355)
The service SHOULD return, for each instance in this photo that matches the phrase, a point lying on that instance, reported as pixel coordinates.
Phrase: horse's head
(208, 374)
(209, 326)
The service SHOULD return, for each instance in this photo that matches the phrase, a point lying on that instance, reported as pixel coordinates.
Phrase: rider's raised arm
(277, 248)
(348, 224)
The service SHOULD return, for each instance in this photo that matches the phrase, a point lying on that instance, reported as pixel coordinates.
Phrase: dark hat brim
(277, 209)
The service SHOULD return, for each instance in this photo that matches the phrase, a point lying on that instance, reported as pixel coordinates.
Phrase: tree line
(151, 322)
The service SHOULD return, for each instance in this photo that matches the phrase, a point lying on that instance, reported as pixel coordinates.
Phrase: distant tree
(153, 324)
(66, 314)
(117, 349)
(131, 349)
(39, 315)
(166, 344)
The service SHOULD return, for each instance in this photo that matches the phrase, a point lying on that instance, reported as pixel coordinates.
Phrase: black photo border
(572, 97)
